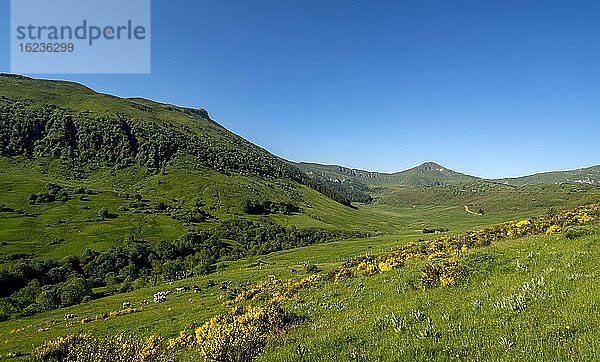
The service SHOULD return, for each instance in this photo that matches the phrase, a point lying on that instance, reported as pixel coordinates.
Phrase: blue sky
(490, 88)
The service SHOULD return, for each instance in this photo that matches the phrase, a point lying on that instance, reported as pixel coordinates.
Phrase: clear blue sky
(491, 88)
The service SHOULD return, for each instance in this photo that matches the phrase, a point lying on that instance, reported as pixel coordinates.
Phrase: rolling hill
(426, 174)
(144, 231)
(587, 175)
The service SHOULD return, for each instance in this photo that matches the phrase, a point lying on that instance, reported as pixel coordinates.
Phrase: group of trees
(30, 286)
(54, 193)
(351, 189)
(269, 207)
(83, 139)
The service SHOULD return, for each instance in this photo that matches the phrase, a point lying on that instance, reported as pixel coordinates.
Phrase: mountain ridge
(589, 175)
(73, 95)
(426, 174)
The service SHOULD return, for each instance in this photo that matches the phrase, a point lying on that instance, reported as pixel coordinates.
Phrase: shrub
(242, 333)
(444, 271)
(311, 268)
(60, 349)
(74, 290)
(577, 232)
(83, 347)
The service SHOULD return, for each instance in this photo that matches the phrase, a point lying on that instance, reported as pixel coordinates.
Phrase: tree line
(32, 285)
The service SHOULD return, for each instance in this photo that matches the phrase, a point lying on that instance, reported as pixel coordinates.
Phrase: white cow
(160, 297)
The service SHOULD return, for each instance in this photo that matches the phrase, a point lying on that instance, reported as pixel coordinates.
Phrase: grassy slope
(183, 311)
(180, 185)
(80, 98)
(376, 318)
(76, 221)
(589, 175)
(494, 197)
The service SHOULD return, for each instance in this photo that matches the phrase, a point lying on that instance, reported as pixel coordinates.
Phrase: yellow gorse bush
(242, 333)
(553, 229)
(183, 341)
(275, 290)
(119, 348)
(59, 349)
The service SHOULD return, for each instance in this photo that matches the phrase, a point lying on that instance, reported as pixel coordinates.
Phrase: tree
(172, 269)
(74, 290)
(48, 299)
(112, 282)
(26, 295)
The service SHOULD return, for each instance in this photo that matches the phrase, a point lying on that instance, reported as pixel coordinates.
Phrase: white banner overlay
(80, 36)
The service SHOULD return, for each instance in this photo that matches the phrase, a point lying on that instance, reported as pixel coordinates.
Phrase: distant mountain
(588, 175)
(426, 174)
(431, 174)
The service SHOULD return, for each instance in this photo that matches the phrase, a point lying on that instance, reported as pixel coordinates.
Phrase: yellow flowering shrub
(242, 333)
(443, 271)
(367, 267)
(119, 348)
(584, 218)
(183, 341)
(59, 349)
(274, 290)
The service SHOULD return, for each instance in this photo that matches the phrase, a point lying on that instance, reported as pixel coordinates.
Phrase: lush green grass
(352, 319)
(550, 279)
(528, 299)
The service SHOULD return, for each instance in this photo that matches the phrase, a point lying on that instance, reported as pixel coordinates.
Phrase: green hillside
(69, 122)
(588, 175)
(492, 197)
(385, 314)
(426, 174)
(106, 201)
(359, 185)
(88, 179)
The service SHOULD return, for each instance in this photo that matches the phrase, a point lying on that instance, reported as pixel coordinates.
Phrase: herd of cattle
(160, 297)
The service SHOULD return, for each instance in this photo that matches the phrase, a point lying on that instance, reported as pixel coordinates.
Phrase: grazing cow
(144, 302)
(271, 277)
(126, 304)
(305, 264)
(179, 290)
(167, 292)
(225, 285)
(160, 297)
(293, 271)
(70, 316)
(196, 289)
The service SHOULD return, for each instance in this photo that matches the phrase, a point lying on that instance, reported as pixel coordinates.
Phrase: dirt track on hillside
(470, 212)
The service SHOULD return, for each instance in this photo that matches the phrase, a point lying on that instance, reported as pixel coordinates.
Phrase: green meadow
(105, 201)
